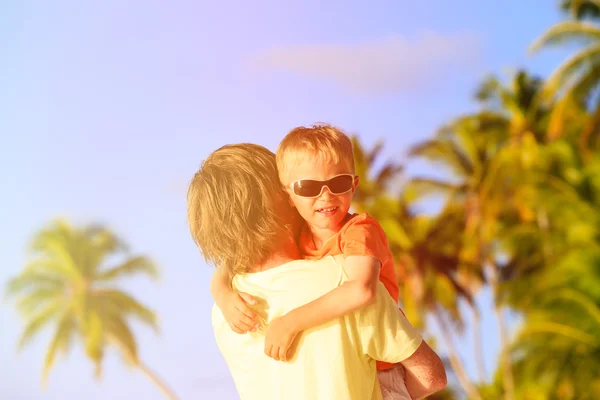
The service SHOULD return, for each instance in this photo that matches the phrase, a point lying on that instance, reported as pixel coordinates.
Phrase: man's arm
(357, 292)
(232, 304)
(425, 372)
(387, 335)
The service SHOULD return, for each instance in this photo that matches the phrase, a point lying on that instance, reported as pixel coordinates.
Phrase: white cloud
(381, 66)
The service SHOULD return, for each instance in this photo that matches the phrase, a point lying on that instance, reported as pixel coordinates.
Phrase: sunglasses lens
(340, 184)
(309, 188)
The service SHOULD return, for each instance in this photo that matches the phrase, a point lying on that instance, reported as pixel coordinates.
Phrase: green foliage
(68, 285)
(581, 8)
(521, 205)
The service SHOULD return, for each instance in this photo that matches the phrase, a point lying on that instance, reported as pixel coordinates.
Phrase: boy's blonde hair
(234, 206)
(323, 142)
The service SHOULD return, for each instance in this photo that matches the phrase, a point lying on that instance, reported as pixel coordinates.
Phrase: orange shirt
(361, 235)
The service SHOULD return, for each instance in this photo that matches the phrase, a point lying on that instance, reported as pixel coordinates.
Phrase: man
(239, 217)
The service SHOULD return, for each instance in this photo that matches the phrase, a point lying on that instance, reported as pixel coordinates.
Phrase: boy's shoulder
(362, 221)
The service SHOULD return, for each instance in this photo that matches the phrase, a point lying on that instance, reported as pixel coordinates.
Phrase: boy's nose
(326, 192)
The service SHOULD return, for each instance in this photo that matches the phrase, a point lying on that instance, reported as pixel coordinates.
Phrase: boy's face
(327, 210)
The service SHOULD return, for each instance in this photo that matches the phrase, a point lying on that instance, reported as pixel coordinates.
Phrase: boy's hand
(280, 336)
(239, 316)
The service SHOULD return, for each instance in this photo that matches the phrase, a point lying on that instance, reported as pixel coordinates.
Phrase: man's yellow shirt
(333, 361)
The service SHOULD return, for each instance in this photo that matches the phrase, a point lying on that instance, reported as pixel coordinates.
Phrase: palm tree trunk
(135, 362)
(507, 375)
(505, 361)
(584, 139)
(478, 343)
(473, 229)
(455, 361)
(160, 384)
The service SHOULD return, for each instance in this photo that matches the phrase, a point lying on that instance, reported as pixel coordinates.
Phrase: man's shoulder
(284, 274)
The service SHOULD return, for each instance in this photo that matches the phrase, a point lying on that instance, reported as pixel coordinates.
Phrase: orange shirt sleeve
(365, 237)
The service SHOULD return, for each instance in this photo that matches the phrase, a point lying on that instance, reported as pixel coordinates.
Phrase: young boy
(316, 166)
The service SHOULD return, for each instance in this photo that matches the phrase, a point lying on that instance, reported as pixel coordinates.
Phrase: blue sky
(107, 109)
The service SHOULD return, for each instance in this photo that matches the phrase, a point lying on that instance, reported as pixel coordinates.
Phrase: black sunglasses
(309, 188)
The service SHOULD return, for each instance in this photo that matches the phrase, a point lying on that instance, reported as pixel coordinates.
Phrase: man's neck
(284, 253)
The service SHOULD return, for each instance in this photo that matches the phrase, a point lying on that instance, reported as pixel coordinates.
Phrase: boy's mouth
(327, 209)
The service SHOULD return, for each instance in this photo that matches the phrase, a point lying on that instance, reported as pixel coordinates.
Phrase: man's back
(333, 361)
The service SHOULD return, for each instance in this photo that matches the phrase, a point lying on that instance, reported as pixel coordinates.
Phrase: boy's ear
(288, 193)
(356, 181)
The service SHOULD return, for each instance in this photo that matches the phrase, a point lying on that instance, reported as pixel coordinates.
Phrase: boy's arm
(358, 291)
(220, 285)
(232, 304)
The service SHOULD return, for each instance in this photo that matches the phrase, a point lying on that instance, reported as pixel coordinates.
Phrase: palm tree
(550, 255)
(572, 86)
(468, 148)
(557, 351)
(581, 9)
(67, 284)
(411, 236)
(517, 101)
(425, 250)
(491, 156)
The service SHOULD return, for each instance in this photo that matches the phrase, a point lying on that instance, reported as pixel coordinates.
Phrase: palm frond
(581, 299)
(488, 121)
(119, 302)
(562, 112)
(34, 279)
(581, 88)
(372, 154)
(565, 32)
(422, 187)
(580, 9)
(100, 242)
(57, 243)
(395, 232)
(132, 266)
(119, 332)
(547, 327)
(48, 266)
(570, 67)
(60, 342)
(444, 152)
(94, 340)
(32, 301)
(38, 321)
(359, 152)
(387, 172)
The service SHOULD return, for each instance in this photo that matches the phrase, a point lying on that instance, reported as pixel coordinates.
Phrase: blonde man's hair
(323, 142)
(234, 206)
